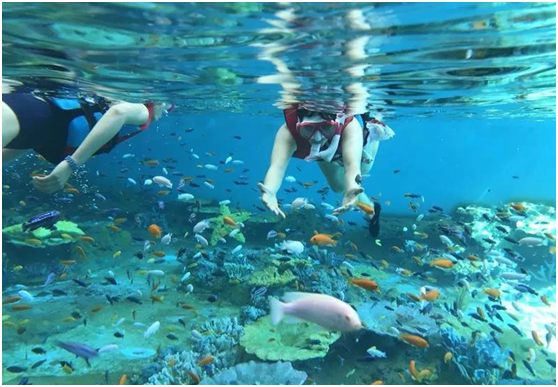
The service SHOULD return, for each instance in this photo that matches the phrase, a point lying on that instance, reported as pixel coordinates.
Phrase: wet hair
(303, 113)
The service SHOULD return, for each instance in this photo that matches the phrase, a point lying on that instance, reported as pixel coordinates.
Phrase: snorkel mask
(330, 129)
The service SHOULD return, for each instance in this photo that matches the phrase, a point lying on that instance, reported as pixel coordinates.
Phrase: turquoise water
(469, 90)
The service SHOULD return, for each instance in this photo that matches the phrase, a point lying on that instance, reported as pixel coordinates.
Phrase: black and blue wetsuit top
(55, 127)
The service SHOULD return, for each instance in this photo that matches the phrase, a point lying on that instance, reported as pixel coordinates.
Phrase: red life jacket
(302, 144)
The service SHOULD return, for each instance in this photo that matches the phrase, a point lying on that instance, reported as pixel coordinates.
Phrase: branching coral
(258, 373)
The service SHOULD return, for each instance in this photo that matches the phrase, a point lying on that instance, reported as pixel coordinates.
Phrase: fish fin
(277, 310)
(293, 296)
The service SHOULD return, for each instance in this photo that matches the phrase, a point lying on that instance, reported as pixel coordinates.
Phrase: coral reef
(219, 339)
(478, 364)
(270, 276)
(287, 342)
(253, 373)
(205, 271)
(238, 271)
(43, 237)
(383, 321)
(221, 229)
(547, 272)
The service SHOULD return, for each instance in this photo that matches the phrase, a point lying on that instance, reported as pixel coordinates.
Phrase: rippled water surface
(416, 59)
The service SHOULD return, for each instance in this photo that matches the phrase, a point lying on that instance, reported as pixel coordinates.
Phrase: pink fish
(326, 311)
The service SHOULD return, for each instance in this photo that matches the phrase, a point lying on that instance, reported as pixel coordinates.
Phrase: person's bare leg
(10, 125)
(334, 174)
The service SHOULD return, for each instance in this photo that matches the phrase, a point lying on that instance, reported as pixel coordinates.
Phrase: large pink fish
(326, 311)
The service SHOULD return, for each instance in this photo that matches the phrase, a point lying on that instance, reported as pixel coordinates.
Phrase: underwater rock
(288, 342)
(478, 364)
(205, 271)
(42, 237)
(253, 373)
(270, 277)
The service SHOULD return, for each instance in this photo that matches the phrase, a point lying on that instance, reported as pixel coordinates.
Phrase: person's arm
(283, 149)
(11, 154)
(108, 126)
(352, 156)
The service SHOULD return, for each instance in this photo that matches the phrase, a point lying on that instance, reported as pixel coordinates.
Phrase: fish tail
(277, 310)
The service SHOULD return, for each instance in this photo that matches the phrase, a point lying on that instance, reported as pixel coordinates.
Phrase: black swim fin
(374, 224)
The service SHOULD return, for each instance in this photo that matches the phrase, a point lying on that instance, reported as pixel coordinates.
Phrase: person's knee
(10, 125)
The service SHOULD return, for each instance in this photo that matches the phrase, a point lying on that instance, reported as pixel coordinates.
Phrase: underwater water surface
(156, 284)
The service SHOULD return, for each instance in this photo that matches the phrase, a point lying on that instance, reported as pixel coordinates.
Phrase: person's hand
(55, 180)
(349, 200)
(270, 201)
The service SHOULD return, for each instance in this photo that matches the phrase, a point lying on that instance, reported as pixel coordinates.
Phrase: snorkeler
(67, 132)
(344, 146)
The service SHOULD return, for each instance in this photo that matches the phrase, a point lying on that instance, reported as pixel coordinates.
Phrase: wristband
(72, 163)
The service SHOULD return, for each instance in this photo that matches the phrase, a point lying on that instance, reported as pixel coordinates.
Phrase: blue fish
(46, 220)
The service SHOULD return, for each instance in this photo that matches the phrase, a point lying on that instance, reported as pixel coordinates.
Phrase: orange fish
(518, 206)
(552, 250)
(533, 333)
(123, 380)
(413, 370)
(364, 283)
(21, 307)
(365, 208)
(68, 262)
(81, 251)
(447, 357)
(195, 378)
(187, 306)
(34, 241)
(480, 312)
(71, 190)
(210, 181)
(323, 240)
(86, 238)
(188, 178)
(228, 170)
(473, 258)
(377, 383)
(442, 263)
(396, 249)
(155, 299)
(159, 254)
(494, 293)
(479, 25)
(120, 220)
(114, 228)
(308, 184)
(150, 163)
(163, 192)
(413, 340)
(431, 295)
(206, 360)
(281, 235)
(155, 230)
(97, 308)
(10, 300)
(229, 221)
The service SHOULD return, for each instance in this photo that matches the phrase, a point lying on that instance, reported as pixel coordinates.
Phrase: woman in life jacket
(67, 132)
(344, 146)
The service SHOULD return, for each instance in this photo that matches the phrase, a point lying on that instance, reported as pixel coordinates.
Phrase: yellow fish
(33, 241)
(66, 236)
(142, 272)
(117, 254)
(17, 268)
(151, 260)
(5, 317)
(23, 322)
(68, 319)
(9, 324)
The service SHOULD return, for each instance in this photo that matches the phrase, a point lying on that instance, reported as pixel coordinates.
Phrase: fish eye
(347, 318)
